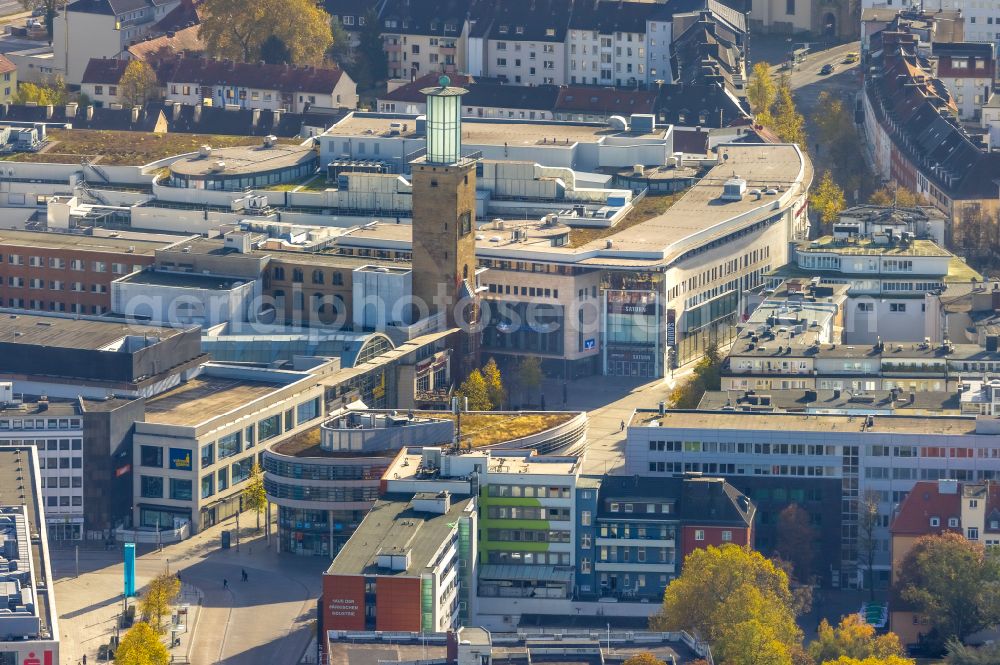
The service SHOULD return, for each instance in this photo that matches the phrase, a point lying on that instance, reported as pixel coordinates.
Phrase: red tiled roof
(6, 65)
(168, 45)
(106, 71)
(202, 71)
(922, 503)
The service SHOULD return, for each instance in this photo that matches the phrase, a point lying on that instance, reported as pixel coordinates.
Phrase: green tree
(706, 376)
(736, 599)
(341, 51)
(954, 583)
(155, 603)
(529, 374)
(371, 54)
(138, 84)
(644, 658)
(494, 384)
(853, 638)
(900, 197)
(475, 390)
(761, 90)
(274, 52)
(254, 494)
(796, 539)
(51, 92)
(959, 654)
(828, 199)
(141, 645)
(788, 122)
(237, 29)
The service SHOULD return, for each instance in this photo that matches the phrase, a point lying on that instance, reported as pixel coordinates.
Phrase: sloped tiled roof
(618, 101)
(286, 78)
(106, 71)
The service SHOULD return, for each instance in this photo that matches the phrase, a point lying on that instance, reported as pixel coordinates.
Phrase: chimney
(49, 110)
(197, 113)
(255, 118)
(71, 110)
(90, 112)
(135, 114)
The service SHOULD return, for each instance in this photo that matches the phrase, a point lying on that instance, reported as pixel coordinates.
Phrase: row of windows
(62, 482)
(531, 291)
(63, 501)
(529, 491)
(54, 306)
(640, 554)
(636, 531)
(35, 283)
(527, 513)
(78, 265)
(529, 535)
(740, 447)
(298, 276)
(324, 471)
(333, 494)
(531, 558)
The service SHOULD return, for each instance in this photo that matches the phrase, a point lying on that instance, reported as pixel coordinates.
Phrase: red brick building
(71, 272)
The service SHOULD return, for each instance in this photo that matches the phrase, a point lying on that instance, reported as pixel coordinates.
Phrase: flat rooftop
(514, 134)
(307, 444)
(126, 242)
(793, 422)
(182, 279)
(69, 333)
(393, 525)
(203, 398)
(923, 402)
(244, 160)
(868, 247)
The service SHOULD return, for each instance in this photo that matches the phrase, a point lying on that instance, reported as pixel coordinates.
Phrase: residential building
(709, 48)
(101, 81)
(827, 460)
(967, 69)
(59, 271)
(980, 19)
(971, 509)
(901, 101)
(425, 39)
(409, 567)
(618, 44)
(352, 15)
(189, 80)
(632, 541)
(522, 42)
(29, 624)
(88, 29)
(8, 80)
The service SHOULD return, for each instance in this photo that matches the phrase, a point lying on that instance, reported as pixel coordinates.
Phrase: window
(790, 7)
(151, 456)
(151, 487)
(317, 277)
(699, 534)
(727, 536)
(223, 478)
(897, 307)
(207, 454)
(952, 522)
(230, 445)
(241, 469)
(268, 428)
(585, 517)
(307, 410)
(207, 486)
(180, 490)
(935, 521)
(972, 533)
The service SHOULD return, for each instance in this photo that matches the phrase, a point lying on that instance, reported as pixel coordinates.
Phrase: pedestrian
(245, 576)
(622, 428)
(84, 659)
(225, 583)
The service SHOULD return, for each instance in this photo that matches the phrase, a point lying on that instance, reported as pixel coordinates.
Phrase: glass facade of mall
(634, 333)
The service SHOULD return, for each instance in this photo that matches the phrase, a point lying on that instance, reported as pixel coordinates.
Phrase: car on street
(38, 11)
(827, 69)
(851, 58)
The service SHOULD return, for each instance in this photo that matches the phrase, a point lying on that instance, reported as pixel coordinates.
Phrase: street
(269, 619)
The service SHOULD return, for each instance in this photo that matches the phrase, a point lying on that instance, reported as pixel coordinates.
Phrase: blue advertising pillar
(129, 570)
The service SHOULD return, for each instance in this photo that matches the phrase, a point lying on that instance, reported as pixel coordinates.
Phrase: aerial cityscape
(459, 332)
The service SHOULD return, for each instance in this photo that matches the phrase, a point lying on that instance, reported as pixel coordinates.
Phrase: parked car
(827, 69)
(38, 11)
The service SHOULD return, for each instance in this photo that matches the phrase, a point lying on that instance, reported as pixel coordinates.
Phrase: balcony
(393, 48)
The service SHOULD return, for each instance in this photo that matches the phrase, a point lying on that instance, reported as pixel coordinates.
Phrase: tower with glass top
(444, 210)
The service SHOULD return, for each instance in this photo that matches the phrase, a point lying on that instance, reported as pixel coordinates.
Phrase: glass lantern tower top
(444, 123)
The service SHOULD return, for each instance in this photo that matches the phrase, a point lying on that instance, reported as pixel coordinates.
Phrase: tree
(868, 523)
(475, 390)
(341, 52)
(644, 658)
(827, 199)
(706, 376)
(494, 384)
(138, 84)
(237, 29)
(853, 638)
(53, 92)
(371, 54)
(141, 645)
(529, 373)
(254, 494)
(894, 195)
(155, 603)
(796, 537)
(952, 582)
(736, 599)
(761, 90)
(889, 660)
(959, 654)
(788, 122)
(274, 52)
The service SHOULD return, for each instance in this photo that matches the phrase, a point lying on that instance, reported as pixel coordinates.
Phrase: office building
(29, 624)
(826, 463)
